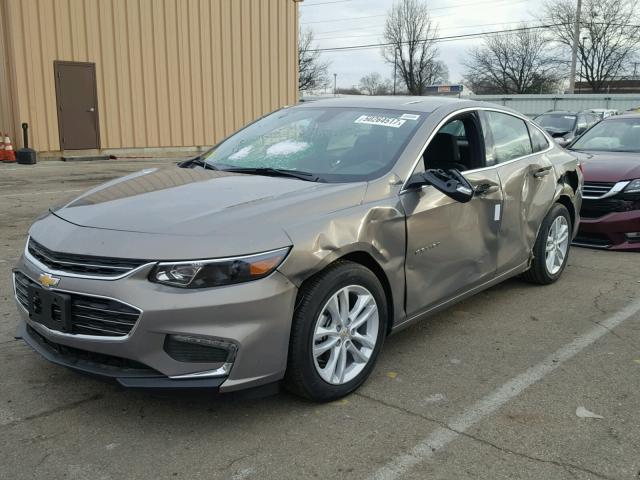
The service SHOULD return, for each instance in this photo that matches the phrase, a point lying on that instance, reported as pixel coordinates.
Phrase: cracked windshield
(335, 144)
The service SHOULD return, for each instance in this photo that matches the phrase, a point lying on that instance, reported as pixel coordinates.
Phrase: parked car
(294, 247)
(603, 113)
(610, 152)
(566, 126)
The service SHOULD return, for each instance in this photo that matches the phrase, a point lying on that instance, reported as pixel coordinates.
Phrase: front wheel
(338, 329)
(551, 250)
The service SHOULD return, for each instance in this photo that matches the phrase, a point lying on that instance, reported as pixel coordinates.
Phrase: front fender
(376, 228)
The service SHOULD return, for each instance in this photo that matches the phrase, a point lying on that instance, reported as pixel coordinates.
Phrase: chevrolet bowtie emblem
(47, 281)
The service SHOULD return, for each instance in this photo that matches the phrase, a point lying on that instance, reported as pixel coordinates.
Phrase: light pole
(574, 48)
(395, 67)
(584, 41)
(335, 83)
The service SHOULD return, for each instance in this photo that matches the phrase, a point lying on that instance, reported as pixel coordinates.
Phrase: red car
(610, 154)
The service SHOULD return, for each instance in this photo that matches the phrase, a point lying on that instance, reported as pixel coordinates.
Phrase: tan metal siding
(170, 73)
(7, 95)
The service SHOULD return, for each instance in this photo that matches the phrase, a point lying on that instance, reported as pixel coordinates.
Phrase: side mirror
(450, 182)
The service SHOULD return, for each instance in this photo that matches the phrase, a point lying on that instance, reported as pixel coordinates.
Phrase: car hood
(199, 202)
(609, 166)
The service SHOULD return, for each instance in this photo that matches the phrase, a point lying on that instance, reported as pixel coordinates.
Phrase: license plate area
(51, 309)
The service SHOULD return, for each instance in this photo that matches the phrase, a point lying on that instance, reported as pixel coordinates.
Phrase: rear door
(517, 148)
(76, 96)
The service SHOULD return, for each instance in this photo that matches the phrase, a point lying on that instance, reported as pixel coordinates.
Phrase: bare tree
(438, 72)
(412, 50)
(609, 36)
(373, 84)
(312, 70)
(518, 62)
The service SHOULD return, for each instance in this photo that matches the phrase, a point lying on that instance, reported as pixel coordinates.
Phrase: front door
(76, 95)
(451, 246)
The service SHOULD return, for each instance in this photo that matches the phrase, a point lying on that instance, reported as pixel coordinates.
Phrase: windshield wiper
(199, 162)
(276, 172)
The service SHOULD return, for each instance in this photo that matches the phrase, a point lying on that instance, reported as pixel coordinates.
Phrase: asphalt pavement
(518, 382)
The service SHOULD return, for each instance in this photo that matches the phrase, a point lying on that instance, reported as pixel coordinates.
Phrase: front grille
(596, 189)
(96, 316)
(599, 208)
(99, 359)
(82, 264)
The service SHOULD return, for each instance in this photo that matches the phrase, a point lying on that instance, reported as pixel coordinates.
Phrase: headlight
(218, 272)
(633, 187)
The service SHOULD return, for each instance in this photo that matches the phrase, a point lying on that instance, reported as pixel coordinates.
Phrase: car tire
(543, 271)
(320, 299)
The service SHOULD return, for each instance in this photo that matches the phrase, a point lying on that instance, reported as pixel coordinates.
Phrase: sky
(338, 23)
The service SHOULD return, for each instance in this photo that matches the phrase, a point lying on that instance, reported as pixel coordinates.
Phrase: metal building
(109, 74)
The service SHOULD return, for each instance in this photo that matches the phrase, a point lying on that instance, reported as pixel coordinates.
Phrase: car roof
(395, 102)
(561, 112)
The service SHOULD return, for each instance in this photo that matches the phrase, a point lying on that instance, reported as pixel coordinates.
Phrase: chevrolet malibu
(288, 252)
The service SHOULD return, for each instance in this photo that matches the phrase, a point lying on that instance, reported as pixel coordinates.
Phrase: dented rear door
(528, 183)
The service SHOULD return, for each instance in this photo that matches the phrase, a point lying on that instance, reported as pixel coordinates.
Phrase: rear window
(557, 122)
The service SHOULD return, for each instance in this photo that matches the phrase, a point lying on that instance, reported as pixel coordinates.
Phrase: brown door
(76, 95)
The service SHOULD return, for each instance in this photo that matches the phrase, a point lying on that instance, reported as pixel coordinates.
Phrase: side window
(455, 128)
(538, 140)
(456, 145)
(510, 136)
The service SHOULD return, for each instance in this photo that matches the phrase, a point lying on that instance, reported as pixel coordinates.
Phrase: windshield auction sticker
(380, 120)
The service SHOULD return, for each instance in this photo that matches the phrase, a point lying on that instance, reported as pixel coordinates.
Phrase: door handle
(91, 110)
(541, 172)
(485, 189)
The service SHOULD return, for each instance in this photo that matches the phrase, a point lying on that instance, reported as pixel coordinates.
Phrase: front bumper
(608, 232)
(255, 317)
(125, 373)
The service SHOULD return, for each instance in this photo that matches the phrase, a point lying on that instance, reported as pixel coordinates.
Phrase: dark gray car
(293, 248)
(565, 127)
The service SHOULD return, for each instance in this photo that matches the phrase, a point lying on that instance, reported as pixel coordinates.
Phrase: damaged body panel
(292, 248)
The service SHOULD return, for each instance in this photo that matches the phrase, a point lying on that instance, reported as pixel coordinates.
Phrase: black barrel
(26, 155)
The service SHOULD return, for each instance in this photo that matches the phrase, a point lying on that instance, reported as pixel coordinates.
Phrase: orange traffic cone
(9, 153)
(2, 153)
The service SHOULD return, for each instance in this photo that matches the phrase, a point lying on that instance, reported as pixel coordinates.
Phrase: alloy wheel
(557, 244)
(345, 334)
